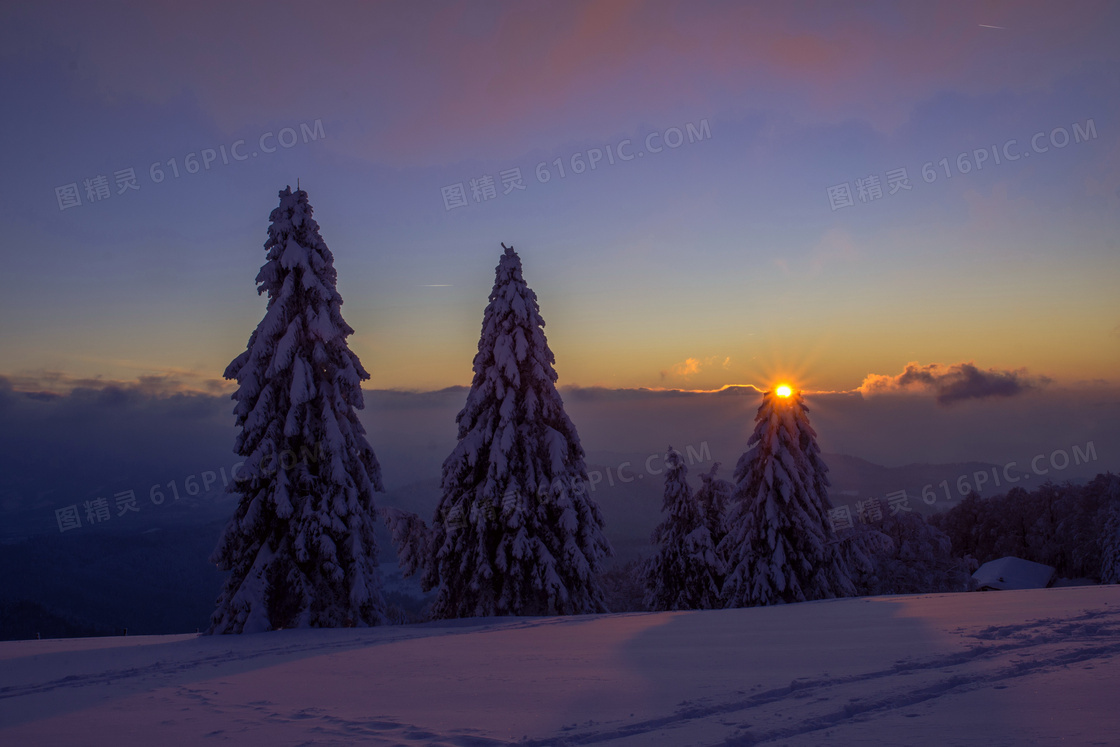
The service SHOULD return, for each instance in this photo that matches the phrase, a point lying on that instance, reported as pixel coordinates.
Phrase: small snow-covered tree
(714, 495)
(300, 547)
(685, 572)
(411, 537)
(1110, 547)
(780, 546)
(1110, 530)
(515, 531)
(624, 586)
(863, 547)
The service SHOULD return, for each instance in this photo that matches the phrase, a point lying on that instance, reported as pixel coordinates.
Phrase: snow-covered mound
(1015, 668)
(1012, 573)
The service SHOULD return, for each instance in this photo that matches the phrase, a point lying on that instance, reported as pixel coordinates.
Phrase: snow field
(999, 668)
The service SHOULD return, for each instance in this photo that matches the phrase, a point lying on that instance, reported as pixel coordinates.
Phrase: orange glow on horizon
(784, 390)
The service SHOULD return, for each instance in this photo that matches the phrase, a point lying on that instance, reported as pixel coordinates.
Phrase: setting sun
(784, 390)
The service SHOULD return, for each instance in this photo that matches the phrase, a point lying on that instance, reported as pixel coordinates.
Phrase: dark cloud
(950, 384)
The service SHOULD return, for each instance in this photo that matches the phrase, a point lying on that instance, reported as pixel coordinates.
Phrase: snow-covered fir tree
(300, 547)
(684, 573)
(862, 547)
(1110, 531)
(780, 546)
(515, 531)
(411, 537)
(714, 495)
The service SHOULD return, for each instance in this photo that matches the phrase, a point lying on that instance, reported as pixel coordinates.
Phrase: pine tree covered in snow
(624, 586)
(863, 547)
(714, 497)
(780, 546)
(685, 572)
(411, 537)
(300, 546)
(515, 531)
(1110, 531)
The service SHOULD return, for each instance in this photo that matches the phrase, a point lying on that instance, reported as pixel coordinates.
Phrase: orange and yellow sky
(723, 251)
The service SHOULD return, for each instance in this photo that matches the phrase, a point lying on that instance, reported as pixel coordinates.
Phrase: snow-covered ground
(999, 668)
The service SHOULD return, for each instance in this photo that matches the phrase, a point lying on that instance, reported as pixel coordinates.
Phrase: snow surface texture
(301, 543)
(515, 531)
(779, 545)
(999, 669)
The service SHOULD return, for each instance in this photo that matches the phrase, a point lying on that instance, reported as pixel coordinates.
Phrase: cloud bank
(61, 449)
(956, 383)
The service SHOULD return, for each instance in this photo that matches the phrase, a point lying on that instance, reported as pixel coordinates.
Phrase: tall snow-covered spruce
(779, 544)
(300, 547)
(515, 531)
(685, 572)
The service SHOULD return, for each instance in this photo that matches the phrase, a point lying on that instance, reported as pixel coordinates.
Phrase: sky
(866, 199)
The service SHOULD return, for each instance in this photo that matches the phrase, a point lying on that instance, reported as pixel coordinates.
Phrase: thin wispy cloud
(57, 383)
(690, 367)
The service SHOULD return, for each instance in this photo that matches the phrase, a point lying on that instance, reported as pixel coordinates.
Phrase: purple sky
(734, 258)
